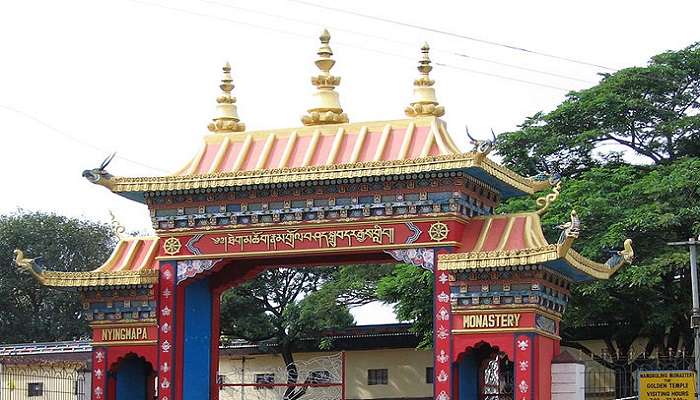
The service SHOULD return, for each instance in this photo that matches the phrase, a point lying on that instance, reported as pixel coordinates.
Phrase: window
(316, 377)
(35, 389)
(263, 380)
(429, 375)
(378, 376)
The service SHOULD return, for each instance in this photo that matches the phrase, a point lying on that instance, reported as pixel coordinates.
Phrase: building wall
(58, 382)
(406, 373)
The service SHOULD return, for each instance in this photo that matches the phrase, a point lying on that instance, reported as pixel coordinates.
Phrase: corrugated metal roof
(25, 349)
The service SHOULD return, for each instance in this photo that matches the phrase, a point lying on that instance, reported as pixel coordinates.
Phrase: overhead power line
(453, 34)
(500, 76)
(296, 34)
(391, 40)
(77, 140)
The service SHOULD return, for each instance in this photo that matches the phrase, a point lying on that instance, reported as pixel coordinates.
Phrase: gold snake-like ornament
(548, 199)
(117, 228)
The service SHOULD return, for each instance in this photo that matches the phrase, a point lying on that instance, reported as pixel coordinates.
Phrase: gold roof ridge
(348, 126)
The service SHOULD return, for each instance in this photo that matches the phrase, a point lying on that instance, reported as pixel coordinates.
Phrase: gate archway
(331, 192)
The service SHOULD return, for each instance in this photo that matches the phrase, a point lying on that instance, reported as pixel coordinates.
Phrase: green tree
(410, 289)
(31, 312)
(651, 205)
(651, 298)
(280, 307)
(651, 111)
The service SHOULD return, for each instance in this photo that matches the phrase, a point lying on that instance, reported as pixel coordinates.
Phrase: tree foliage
(651, 111)
(651, 205)
(411, 290)
(31, 312)
(282, 304)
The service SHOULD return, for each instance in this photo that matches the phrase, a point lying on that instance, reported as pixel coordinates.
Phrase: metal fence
(20, 382)
(611, 377)
(318, 378)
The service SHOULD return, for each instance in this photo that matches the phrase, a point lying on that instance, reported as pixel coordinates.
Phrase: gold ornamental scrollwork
(172, 246)
(545, 201)
(438, 231)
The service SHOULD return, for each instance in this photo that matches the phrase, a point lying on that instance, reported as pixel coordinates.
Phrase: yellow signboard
(666, 385)
(491, 321)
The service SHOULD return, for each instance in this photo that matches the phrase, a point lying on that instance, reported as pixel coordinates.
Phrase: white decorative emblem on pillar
(523, 386)
(523, 344)
(442, 357)
(523, 365)
(443, 396)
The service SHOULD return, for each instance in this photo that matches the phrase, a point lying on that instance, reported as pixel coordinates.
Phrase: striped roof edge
(517, 239)
(132, 262)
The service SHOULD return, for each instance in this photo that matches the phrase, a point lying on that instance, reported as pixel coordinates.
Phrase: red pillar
(111, 387)
(546, 349)
(166, 339)
(99, 375)
(525, 368)
(442, 331)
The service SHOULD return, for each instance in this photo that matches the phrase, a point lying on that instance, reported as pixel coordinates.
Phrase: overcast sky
(80, 79)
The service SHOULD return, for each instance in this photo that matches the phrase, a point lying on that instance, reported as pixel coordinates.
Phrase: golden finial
(424, 101)
(327, 108)
(227, 112)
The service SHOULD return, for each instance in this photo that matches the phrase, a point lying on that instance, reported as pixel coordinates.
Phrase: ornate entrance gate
(329, 193)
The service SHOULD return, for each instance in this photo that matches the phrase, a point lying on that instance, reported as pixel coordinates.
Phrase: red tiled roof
(321, 146)
(503, 233)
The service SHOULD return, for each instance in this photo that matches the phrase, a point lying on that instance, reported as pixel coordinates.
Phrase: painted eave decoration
(487, 242)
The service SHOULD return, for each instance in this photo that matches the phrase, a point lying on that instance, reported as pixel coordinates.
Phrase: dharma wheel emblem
(171, 246)
(438, 231)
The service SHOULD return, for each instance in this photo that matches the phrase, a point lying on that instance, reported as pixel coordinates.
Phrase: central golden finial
(227, 112)
(327, 108)
(424, 101)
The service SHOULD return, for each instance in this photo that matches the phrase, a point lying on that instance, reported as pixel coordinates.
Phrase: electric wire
(400, 42)
(77, 140)
(443, 32)
(382, 52)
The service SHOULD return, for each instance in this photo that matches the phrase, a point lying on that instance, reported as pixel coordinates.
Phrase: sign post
(695, 313)
(666, 385)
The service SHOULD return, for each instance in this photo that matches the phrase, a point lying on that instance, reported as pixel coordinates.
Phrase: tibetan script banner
(291, 237)
(266, 240)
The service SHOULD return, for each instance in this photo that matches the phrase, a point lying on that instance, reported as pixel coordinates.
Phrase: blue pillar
(197, 340)
(131, 379)
(468, 378)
